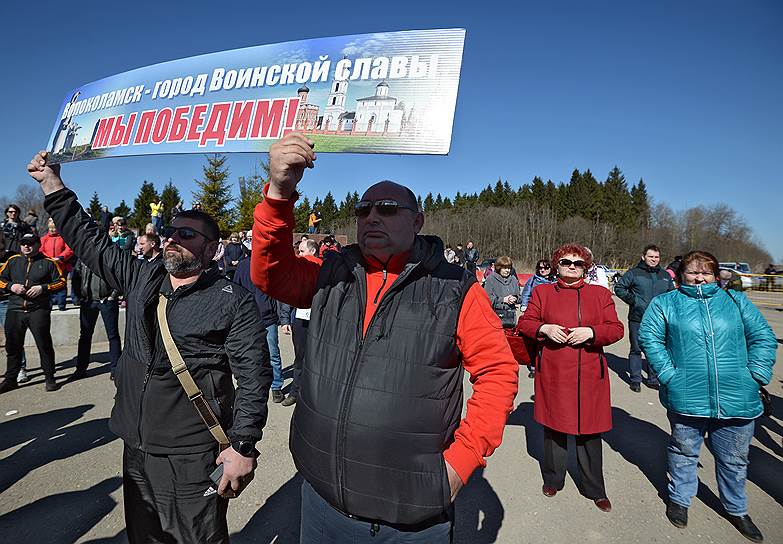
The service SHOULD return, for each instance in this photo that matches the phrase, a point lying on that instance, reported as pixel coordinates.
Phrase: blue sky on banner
(684, 95)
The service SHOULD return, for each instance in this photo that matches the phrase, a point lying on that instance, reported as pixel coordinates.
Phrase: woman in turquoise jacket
(712, 351)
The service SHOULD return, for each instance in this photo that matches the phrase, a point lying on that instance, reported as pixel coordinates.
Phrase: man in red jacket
(377, 433)
(54, 247)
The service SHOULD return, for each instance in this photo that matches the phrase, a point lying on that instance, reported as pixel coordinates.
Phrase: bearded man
(169, 452)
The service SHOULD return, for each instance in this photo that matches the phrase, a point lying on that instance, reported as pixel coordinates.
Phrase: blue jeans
(322, 524)
(729, 442)
(274, 356)
(635, 361)
(157, 222)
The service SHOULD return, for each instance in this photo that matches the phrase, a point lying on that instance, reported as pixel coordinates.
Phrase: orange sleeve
(493, 372)
(274, 267)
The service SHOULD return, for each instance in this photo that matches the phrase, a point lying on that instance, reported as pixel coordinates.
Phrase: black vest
(375, 414)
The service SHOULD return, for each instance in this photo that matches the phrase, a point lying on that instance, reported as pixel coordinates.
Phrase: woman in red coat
(571, 322)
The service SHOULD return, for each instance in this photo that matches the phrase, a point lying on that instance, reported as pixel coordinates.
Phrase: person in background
(156, 215)
(596, 275)
(149, 246)
(712, 351)
(471, 257)
(96, 298)
(32, 220)
(234, 252)
(459, 255)
(449, 254)
(30, 278)
(105, 219)
(13, 229)
(728, 279)
(54, 247)
(176, 209)
(122, 236)
(312, 222)
(571, 322)
(300, 322)
(503, 291)
(637, 288)
(542, 276)
(674, 267)
(219, 254)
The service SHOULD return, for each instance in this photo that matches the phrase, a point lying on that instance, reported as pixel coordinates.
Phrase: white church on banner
(377, 114)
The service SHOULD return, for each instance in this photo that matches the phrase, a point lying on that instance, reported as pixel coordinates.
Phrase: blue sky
(686, 95)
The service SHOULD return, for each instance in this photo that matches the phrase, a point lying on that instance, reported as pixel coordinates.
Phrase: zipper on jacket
(375, 299)
(147, 376)
(26, 281)
(578, 367)
(346, 402)
(714, 356)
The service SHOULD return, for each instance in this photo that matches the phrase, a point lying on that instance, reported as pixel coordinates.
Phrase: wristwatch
(245, 448)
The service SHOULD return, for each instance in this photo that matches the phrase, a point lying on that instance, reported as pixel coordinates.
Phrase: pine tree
(447, 205)
(141, 206)
(538, 191)
(251, 192)
(429, 201)
(214, 192)
(301, 213)
(640, 203)
(122, 210)
(170, 197)
(616, 208)
(329, 212)
(438, 205)
(94, 209)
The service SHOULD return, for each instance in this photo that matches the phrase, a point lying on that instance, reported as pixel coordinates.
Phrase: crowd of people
(383, 331)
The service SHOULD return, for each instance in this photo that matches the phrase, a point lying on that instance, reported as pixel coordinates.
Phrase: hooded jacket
(640, 285)
(215, 325)
(711, 350)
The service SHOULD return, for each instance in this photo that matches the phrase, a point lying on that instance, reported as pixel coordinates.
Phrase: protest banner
(391, 92)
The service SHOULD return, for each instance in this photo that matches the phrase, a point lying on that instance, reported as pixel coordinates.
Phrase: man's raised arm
(275, 268)
(80, 232)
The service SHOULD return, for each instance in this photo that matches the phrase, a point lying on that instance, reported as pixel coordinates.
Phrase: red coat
(54, 247)
(572, 383)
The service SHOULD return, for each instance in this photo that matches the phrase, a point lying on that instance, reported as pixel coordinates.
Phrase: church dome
(303, 89)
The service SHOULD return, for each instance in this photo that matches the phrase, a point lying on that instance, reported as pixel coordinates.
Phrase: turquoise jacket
(711, 350)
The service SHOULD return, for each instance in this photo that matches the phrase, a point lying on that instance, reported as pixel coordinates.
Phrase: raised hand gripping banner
(390, 92)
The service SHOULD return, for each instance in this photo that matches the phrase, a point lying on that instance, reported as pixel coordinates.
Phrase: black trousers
(88, 317)
(16, 324)
(589, 457)
(299, 338)
(164, 498)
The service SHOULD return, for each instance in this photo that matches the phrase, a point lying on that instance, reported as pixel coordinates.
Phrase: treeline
(612, 218)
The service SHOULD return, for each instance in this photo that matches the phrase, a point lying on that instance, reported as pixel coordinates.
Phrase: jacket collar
(427, 252)
(576, 285)
(644, 266)
(706, 290)
(207, 277)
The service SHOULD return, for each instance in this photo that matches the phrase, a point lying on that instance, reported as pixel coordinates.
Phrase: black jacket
(272, 312)
(90, 287)
(13, 232)
(233, 252)
(215, 325)
(376, 412)
(640, 285)
(29, 271)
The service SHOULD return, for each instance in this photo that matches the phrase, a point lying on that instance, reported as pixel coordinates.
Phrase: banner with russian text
(390, 92)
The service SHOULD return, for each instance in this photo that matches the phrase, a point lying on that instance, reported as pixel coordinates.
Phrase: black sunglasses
(544, 267)
(568, 262)
(385, 207)
(185, 233)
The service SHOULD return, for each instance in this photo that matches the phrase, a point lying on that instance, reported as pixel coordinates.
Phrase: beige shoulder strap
(188, 384)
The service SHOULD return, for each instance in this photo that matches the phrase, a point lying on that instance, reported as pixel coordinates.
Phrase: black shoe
(746, 527)
(78, 374)
(8, 385)
(677, 514)
(52, 386)
(652, 385)
(635, 387)
(277, 396)
(290, 400)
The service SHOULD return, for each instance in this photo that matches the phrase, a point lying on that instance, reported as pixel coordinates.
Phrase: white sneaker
(22, 376)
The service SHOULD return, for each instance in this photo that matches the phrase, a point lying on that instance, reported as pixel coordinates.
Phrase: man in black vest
(169, 452)
(376, 432)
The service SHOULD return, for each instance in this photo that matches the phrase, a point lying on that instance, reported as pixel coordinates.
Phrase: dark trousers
(16, 325)
(635, 361)
(589, 456)
(88, 317)
(299, 338)
(164, 498)
(322, 524)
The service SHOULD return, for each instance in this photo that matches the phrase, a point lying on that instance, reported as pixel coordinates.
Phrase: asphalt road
(60, 479)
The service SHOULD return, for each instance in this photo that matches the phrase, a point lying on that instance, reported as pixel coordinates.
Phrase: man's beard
(177, 262)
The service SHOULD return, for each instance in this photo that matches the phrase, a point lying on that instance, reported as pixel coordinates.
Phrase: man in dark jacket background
(168, 450)
(637, 288)
(95, 298)
(30, 278)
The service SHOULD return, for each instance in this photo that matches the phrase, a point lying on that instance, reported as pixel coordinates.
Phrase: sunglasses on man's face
(184, 233)
(385, 207)
(566, 263)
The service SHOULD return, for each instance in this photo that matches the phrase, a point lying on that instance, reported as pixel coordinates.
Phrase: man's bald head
(392, 190)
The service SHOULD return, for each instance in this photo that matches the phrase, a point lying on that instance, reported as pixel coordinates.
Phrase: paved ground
(60, 482)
